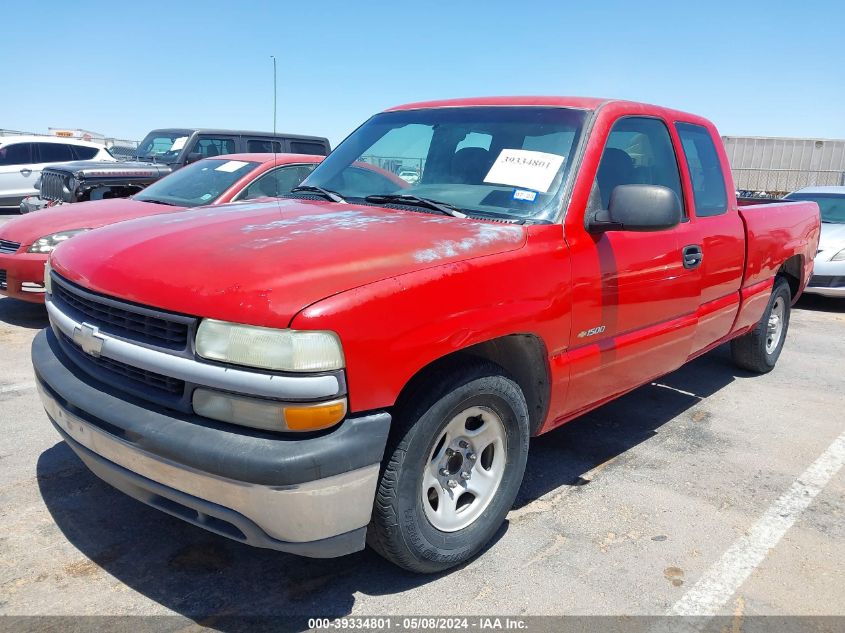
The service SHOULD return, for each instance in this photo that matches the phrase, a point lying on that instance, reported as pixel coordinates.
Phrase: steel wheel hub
(464, 470)
(774, 329)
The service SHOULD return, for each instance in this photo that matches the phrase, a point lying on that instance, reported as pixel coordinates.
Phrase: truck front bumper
(309, 496)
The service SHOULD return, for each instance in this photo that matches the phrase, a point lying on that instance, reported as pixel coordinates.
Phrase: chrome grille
(141, 377)
(54, 187)
(144, 325)
(7, 246)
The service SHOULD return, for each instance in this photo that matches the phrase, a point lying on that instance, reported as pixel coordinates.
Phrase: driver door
(634, 302)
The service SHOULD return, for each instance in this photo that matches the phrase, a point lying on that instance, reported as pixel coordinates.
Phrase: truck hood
(833, 236)
(262, 263)
(84, 215)
(119, 169)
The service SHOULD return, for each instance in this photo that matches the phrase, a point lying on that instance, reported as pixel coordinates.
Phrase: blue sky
(756, 68)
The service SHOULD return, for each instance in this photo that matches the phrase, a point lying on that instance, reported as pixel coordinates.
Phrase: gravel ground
(621, 512)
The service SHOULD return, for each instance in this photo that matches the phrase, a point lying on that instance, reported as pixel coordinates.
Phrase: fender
(391, 329)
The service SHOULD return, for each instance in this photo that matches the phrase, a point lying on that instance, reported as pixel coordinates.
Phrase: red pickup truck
(365, 362)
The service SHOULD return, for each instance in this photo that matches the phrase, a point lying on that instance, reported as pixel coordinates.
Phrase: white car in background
(23, 157)
(829, 273)
(411, 176)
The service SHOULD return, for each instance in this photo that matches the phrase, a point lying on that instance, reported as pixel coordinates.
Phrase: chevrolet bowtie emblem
(89, 339)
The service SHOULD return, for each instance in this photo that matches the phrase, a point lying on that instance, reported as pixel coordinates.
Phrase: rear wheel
(759, 350)
(453, 471)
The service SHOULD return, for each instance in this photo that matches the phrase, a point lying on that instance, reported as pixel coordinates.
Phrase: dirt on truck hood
(263, 263)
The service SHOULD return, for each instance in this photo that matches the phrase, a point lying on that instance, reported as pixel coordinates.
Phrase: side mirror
(193, 157)
(639, 208)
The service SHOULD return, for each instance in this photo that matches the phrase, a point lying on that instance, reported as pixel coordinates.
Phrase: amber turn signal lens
(316, 416)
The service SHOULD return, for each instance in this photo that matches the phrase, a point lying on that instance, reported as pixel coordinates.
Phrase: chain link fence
(779, 182)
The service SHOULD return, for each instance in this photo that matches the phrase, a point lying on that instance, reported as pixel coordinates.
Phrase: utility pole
(275, 93)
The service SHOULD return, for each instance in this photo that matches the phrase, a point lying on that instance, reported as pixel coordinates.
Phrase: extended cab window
(54, 152)
(705, 170)
(16, 154)
(638, 152)
(277, 182)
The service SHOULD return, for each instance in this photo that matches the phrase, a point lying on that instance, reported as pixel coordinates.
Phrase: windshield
(162, 147)
(831, 205)
(197, 184)
(502, 161)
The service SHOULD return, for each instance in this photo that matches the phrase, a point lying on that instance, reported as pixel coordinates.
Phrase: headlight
(269, 348)
(840, 256)
(47, 243)
(72, 183)
(48, 279)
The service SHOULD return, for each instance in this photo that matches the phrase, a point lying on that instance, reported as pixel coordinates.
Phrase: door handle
(26, 172)
(692, 256)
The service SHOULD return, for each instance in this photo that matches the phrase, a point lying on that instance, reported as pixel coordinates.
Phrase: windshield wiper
(403, 198)
(327, 194)
(157, 201)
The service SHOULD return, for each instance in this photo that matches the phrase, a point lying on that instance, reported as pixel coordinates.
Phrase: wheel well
(792, 271)
(522, 356)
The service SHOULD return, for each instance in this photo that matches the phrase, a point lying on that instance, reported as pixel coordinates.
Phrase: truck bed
(778, 234)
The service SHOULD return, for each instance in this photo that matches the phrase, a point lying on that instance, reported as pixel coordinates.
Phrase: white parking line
(22, 386)
(681, 391)
(726, 576)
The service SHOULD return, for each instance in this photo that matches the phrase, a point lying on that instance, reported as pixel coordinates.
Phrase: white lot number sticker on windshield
(231, 165)
(525, 168)
(178, 144)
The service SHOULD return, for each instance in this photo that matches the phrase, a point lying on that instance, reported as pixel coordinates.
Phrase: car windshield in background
(197, 184)
(500, 161)
(162, 147)
(831, 206)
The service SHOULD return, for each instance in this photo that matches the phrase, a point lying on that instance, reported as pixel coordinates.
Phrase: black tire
(750, 351)
(400, 530)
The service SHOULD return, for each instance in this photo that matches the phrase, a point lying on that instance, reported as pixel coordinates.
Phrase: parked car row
(25, 242)
(160, 153)
(365, 359)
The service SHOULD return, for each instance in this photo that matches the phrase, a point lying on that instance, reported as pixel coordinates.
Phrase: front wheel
(454, 470)
(759, 350)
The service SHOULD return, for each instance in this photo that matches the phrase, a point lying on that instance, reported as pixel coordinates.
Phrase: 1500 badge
(592, 331)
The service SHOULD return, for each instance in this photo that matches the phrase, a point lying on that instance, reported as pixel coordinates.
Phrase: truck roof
(583, 103)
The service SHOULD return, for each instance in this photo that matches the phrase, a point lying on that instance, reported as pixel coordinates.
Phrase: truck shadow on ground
(218, 583)
(23, 313)
(565, 456)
